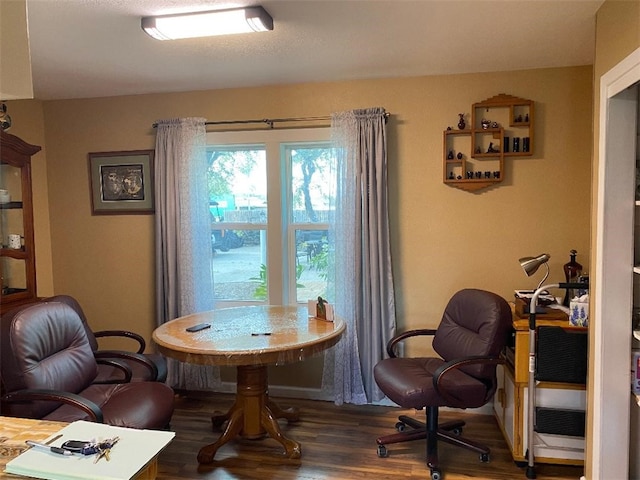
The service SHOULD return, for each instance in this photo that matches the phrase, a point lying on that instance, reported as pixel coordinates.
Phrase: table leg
(253, 415)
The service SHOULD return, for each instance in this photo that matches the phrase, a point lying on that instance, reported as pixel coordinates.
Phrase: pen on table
(51, 440)
(42, 446)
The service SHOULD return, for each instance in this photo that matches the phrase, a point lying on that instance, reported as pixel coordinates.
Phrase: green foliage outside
(260, 293)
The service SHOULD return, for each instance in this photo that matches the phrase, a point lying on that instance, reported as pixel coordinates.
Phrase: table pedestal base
(253, 415)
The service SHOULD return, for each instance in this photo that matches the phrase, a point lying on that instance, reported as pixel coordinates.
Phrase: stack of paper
(134, 450)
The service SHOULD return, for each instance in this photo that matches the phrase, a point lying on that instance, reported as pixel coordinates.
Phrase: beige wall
(617, 35)
(443, 238)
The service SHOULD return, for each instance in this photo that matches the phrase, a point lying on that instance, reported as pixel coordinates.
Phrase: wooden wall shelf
(483, 148)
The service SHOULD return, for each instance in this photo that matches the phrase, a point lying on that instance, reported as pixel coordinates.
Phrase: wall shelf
(495, 125)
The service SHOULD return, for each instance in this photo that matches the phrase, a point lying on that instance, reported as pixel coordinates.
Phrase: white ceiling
(96, 48)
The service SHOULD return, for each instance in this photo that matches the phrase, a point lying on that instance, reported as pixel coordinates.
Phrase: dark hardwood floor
(338, 442)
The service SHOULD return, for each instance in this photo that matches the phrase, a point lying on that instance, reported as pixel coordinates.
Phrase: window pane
(312, 251)
(311, 179)
(237, 179)
(238, 272)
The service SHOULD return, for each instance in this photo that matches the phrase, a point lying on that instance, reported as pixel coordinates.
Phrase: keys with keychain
(101, 448)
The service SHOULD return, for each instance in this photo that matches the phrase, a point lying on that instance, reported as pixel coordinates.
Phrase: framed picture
(121, 182)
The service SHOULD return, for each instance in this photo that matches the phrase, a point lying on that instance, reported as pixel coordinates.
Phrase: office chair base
(419, 431)
(449, 432)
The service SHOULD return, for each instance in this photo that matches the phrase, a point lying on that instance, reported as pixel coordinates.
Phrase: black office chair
(473, 331)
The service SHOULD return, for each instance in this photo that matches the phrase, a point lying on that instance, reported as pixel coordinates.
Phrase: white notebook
(134, 450)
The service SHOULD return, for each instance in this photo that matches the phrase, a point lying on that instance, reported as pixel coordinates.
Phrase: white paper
(134, 450)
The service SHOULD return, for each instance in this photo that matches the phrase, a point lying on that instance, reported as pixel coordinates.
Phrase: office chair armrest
(455, 365)
(68, 398)
(403, 336)
(133, 357)
(123, 367)
(123, 333)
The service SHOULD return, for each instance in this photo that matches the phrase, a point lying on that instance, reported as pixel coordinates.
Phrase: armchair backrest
(44, 346)
(73, 303)
(475, 322)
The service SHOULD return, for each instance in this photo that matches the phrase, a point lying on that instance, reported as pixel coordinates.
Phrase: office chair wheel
(457, 431)
(382, 451)
(400, 427)
(484, 457)
(436, 474)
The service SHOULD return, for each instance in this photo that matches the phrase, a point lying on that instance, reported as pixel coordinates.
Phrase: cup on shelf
(15, 241)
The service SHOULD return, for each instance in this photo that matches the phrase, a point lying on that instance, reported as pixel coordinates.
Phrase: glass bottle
(572, 270)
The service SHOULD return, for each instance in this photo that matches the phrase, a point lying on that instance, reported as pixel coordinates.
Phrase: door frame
(612, 289)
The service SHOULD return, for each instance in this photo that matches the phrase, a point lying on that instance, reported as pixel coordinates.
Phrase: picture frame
(121, 182)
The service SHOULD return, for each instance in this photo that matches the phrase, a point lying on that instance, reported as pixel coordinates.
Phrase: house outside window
(270, 200)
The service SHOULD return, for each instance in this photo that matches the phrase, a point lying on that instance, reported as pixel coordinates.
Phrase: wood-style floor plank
(338, 443)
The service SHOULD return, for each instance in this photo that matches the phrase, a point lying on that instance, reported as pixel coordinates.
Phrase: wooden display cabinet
(496, 123)
(17, 261)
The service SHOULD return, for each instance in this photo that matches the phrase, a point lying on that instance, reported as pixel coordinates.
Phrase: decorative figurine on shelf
(494, 125)
(450, 155)
(478, 150)
(449, 129)
(487, 174)
(496, 174)
(478, 174)
(451, 176)
(485, 123)
(461, 123)
(459, 156)
(491, 149)
(459, 177)
(526, 118)
(469, 175)
(519, 119)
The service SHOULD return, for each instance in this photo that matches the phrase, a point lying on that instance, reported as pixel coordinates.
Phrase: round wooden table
(249, 338)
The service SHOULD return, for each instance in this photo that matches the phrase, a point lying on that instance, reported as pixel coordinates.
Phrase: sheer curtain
(184, 278)
(362, 278)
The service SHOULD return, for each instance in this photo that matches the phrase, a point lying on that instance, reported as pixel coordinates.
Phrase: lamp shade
(530, 265)
(209, 23)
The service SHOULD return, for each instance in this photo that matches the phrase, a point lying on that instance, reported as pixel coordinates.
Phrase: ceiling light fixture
(209, 23)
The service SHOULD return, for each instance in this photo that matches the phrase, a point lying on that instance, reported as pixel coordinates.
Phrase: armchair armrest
(123, 367)
(403, 336)
(87, 406)
(457, 364)
(123, 333)
(133, 357)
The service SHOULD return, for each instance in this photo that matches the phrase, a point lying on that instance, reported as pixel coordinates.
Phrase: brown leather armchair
(473, 331)
(143, 366)
(48, 370)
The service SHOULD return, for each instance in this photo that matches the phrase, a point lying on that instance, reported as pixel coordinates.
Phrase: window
(270, 197)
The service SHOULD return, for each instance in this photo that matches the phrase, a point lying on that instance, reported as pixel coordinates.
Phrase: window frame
(280, 227)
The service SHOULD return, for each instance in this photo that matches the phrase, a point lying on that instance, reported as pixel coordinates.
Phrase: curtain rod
(270, 121)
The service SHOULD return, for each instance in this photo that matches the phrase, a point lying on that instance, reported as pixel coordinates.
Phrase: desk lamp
(530, 265)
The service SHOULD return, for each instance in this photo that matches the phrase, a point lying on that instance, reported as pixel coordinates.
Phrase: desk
(511, 399)
(249, 338)
(14, 432)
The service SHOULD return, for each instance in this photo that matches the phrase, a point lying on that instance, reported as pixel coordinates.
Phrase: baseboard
(285, 391)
